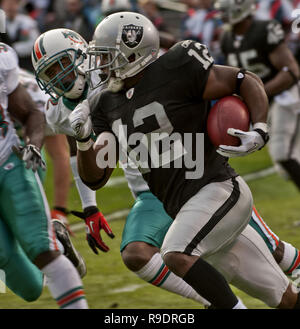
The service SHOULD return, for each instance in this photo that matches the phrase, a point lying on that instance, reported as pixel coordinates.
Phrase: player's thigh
(250, 266)
(147, 222)
(25, 210)
(211, 219)
(21, 275)
(283, 130)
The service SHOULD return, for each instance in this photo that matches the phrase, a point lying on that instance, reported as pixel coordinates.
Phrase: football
(228, 112)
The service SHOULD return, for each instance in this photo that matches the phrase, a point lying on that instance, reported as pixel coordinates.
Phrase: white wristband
(261, 125)
(84, 146)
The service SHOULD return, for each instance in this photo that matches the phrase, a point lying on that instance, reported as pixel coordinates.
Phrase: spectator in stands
(150, 9)
(76, 19)
(21, 31)
(201, 24)
(281, 10)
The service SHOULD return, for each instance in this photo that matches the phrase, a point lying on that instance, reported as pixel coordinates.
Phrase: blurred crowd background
(175, 19)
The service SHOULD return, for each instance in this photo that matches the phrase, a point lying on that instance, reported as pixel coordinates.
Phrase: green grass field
(109, 285)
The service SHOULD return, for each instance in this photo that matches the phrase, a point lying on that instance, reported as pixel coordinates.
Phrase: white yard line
(259, 174)
(129, 288)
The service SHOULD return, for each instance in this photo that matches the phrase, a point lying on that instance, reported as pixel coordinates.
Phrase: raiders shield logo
(132, 35)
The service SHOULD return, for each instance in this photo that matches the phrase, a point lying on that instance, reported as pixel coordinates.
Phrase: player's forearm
(282, 81)
(254, 95)
(35, 128)
(92, 176)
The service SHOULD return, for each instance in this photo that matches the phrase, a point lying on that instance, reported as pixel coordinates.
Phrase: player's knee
(177, 262)
(32, 296)
(137, 254)
(46, 258)
(289, 298)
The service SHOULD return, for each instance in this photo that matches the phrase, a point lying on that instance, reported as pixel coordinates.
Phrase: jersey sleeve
(274, 36)
(10, 67)
(98, 118)
(196, 68)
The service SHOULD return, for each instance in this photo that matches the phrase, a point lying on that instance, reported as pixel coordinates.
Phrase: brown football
(228, 112)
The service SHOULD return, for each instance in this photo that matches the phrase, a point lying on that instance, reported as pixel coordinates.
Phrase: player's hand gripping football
(80, 121)
(250, 141)
(94, 222)
(31, 155)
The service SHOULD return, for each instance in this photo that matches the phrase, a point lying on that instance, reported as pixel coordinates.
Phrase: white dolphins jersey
(9, 80)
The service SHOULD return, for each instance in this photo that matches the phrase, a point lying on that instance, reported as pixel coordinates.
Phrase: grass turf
(109, 285)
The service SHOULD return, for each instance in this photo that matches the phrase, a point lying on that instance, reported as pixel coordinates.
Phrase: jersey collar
(72, 103)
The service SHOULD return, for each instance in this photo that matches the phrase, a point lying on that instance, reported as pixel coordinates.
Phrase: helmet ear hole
(131, 58)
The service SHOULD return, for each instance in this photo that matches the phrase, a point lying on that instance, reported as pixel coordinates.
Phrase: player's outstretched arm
(222, 81)
(22, 107)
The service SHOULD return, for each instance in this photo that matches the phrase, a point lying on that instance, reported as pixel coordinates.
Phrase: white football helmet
(123, 45)
(59, 61)
(234, 11)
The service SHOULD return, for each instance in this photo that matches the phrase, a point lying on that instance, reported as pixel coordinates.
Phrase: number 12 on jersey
(202, 55)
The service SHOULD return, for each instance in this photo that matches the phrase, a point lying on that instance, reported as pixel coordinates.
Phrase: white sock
(157, 273)
(239, 306)
(65, 284)
(87, 196)
(291, 259)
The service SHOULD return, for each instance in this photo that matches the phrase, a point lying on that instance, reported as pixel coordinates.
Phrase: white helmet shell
(49, 48)
(129, 40)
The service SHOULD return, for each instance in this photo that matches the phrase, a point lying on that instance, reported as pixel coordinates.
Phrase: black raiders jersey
(165, 115)
(251, 51)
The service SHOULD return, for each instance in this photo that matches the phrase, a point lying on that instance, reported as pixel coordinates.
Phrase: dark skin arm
(222, 82)
(282, 57)
(93, 176)
(22, 107)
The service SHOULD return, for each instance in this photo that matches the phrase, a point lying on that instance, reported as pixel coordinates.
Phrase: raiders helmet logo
(132, 35)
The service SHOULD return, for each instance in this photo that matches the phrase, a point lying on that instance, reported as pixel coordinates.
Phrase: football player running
(259, 46)
(171, 94)
(147, 222)
(27, 235)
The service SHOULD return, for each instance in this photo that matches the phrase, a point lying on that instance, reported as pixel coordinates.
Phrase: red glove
(94, 222)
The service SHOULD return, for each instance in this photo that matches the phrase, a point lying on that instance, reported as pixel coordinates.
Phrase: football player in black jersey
(147, 96)
(259, 46)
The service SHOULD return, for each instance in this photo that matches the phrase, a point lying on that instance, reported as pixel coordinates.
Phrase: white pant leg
(211, 219)
(249, 265)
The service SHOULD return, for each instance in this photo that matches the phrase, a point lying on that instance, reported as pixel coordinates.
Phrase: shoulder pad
(178, 55)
